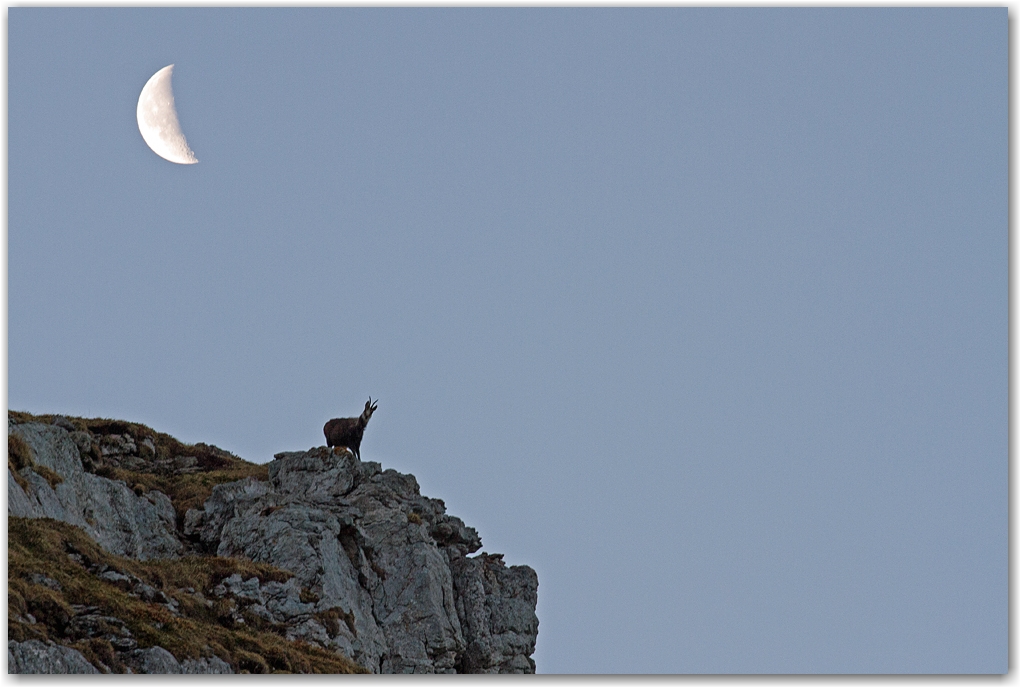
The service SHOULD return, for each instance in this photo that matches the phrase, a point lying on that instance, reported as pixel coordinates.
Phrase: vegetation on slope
(56, 590)
(19, 456)
(186, 473)
(52, 577)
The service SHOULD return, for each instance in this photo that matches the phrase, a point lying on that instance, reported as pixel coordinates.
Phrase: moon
(157, 120)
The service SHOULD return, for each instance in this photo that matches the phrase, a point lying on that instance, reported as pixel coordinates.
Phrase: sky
(700, 313)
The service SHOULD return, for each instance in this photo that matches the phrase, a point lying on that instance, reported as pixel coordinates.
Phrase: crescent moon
(157, 120)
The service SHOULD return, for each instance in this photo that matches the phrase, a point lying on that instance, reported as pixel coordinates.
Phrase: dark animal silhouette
(347, 431)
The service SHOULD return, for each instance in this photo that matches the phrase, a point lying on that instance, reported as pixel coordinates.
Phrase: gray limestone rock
(34, 656)
(153, 661)
(395, 589)
(113, 515)
(157, 661)
(65, 422)
(19, 503)
(164, 508)
(317, 476)
(206, 666)
(44, 580)
(381, 573)
(226, 502)
(92, 623)
(497, 606)
(38, 657)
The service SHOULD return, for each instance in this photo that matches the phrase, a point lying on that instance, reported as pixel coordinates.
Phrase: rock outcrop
(389, 562)
(381, 574)
(120, 521)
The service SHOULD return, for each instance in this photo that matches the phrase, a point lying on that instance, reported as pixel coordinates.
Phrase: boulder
(153, 661)
(34, 656)
(206, 666)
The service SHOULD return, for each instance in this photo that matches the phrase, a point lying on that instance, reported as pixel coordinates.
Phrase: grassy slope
(43, 546)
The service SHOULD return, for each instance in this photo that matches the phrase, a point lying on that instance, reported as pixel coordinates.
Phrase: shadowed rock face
(496, 607)
(387, 562)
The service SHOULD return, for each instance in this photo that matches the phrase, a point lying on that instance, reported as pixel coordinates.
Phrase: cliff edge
(184, 558)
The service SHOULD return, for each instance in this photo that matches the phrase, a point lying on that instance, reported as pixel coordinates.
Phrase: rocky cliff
(129, 551)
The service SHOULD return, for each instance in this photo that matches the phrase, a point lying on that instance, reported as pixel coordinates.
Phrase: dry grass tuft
(189, 490)
(19, 456)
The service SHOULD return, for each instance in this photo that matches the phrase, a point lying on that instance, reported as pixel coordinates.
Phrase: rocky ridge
(370, 569)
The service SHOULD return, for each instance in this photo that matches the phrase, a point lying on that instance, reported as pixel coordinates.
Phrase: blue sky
(701, 313)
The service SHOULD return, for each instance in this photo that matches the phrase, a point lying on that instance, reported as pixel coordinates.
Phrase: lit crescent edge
(157, 119)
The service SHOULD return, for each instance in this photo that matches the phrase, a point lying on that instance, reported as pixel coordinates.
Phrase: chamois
(347, 431)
